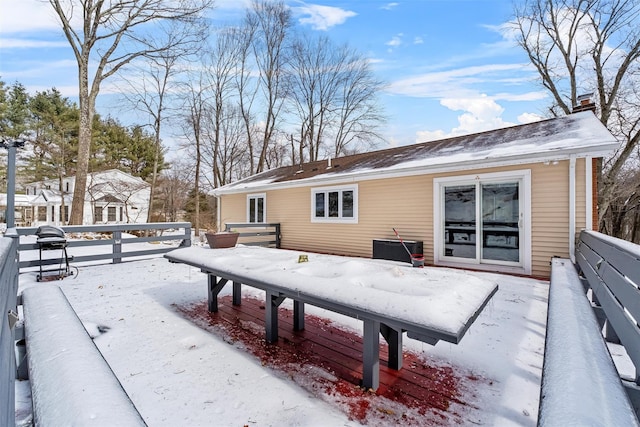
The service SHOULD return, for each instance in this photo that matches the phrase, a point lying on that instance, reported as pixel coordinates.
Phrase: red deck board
(417, 385)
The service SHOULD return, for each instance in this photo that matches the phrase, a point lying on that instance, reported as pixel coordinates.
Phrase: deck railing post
(117, 246)
(186, 242)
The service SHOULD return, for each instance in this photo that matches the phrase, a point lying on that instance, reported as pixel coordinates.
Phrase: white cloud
(389, 6)
(482, 107)
(427, 135)
(395, 41)
(322, 17)
(13, 43)
(529, 118)
(27, 16)
(418, 40)
(480, 114)
(455, 83)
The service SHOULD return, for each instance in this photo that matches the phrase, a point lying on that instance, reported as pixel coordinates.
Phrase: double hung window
(256, 208)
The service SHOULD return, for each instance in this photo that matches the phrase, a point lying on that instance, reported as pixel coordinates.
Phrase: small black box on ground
(393, 250)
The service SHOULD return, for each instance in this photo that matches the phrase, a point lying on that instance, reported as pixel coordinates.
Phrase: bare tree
(334, 96)
(269, 24)
(227, 156)
(174, 184)
(197, 109)
(589, 46)
(359, 114)
(224, 59)
(104, 37)
(150, 83)
(315, 80)
(246, 91)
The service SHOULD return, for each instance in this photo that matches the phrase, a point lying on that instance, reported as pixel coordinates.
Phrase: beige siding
(404, 203)
(407, 204)
(549, 215)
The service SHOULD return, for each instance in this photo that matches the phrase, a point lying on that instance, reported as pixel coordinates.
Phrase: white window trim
(438, 251)
(264, 207)
(339, 219)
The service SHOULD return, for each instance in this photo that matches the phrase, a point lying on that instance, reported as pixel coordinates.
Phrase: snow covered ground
(178, 374)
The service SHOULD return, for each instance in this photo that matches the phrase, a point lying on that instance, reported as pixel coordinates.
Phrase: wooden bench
(580, 383)
(257, 234)
(71, 383)
(276, 272)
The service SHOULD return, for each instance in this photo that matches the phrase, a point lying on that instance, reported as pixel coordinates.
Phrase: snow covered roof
(579, 135)
(51, 196)
(19, 199)
(107, 175)
(108, 198)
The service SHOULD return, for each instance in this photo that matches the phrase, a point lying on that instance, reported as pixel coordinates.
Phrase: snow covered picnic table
(391, 298)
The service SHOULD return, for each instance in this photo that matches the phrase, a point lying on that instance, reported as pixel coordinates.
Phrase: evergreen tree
(14, 112)
(130, 150)
(54, 126)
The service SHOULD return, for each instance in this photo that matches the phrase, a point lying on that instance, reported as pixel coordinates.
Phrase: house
(506, 200)
(112, 197)
(23, 209)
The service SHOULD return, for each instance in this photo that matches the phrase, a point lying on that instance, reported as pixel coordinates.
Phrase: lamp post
(11, 146)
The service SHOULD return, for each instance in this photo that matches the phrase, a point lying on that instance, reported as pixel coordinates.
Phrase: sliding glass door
(500, 222)
(481, 221)
(460, 226)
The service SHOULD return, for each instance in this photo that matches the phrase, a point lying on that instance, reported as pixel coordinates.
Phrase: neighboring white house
(23, 209)
(112, 197)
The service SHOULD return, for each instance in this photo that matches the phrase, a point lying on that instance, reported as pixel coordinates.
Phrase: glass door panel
(500, 228)
(460, 221)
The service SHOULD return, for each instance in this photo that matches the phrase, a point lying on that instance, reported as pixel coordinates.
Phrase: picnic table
(391, 298)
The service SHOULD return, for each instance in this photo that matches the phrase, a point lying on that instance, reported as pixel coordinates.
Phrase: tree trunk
(87, 105)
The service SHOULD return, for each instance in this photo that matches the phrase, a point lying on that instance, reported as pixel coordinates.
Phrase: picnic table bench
(71, 383)
(429, 304)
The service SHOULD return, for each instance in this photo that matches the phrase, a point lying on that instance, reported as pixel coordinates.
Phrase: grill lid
(48, 231)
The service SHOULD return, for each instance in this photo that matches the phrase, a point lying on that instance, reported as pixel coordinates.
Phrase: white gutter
(218, 212)
(572, 206)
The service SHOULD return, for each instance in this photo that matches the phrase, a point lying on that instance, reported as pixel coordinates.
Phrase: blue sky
(451, 66)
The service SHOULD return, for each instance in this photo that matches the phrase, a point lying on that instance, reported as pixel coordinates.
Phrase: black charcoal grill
(53, 238)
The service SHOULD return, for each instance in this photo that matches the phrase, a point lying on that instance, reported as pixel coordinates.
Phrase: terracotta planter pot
(222, 239)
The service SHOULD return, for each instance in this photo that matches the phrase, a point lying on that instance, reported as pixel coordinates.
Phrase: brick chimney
(585, 103)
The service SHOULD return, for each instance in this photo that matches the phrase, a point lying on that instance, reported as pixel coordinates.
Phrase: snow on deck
(179, 374)
(438, 298)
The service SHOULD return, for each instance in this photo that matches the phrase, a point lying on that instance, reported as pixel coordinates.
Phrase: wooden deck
(326, 360)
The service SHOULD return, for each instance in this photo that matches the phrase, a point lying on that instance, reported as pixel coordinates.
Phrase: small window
(64, 215)
(111, 214)
(121, 213)
(256, 208)
(334, 204)
(97, 216)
